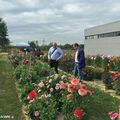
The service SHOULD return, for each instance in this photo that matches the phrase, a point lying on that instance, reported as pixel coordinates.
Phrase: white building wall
(106, 45)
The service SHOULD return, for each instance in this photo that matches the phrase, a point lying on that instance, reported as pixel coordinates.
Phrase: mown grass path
(101, 86)
(10, 106)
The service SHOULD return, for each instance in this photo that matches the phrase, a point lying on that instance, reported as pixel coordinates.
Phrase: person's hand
(49, 61)
(57, 59)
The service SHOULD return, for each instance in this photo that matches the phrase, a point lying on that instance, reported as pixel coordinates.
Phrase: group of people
(33, 51)
(55, 54)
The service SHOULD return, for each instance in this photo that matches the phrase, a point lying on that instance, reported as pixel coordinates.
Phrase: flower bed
(103, 61)
(112, 80)
(92, 73)
(46, 94)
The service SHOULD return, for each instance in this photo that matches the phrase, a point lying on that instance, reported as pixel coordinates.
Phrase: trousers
(54, 64)
(78, 72)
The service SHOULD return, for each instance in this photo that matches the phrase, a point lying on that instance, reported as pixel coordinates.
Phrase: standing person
(54, 54)
(79, 61)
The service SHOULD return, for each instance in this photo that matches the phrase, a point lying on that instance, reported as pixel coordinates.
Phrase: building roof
(105, 28)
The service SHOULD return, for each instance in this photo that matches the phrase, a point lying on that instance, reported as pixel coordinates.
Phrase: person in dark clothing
(79, 61)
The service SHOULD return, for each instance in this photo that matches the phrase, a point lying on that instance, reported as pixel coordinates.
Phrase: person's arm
(81, 56)
(61, 54)
(49, 54)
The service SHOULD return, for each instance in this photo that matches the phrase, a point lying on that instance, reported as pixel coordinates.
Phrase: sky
(61, 21)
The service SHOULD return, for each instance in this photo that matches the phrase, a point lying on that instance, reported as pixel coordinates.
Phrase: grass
(9, 102)
(100, 104)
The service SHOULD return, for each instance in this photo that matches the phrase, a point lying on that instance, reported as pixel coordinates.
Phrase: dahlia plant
(75, 97)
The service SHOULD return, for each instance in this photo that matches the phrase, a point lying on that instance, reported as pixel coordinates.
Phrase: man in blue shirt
(54, 54)
(79, 61)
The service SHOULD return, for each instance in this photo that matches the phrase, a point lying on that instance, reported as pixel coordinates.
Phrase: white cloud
(5, 6)
(116, 7)
(71, 8)
(60, 20)
(75, 8)
(30, 4)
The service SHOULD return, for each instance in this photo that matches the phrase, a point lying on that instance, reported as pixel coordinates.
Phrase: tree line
(4, 40)
(34, 44)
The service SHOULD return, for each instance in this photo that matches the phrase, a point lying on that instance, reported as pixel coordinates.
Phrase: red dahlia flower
(78, 113)
(32, 95)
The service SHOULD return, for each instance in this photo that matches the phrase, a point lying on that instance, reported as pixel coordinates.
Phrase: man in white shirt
(54, 54)
(79, 61)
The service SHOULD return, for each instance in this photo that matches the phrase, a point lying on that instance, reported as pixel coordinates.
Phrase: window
(110, 34)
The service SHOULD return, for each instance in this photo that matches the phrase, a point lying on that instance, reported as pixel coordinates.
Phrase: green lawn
(9, 102)
(100, 104)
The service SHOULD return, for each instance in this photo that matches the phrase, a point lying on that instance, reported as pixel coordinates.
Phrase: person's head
(75, 46)
(54, 44)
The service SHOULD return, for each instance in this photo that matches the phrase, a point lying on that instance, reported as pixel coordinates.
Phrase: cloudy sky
(62, 21)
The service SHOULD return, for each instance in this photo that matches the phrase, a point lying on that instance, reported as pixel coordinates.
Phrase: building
(103, 39)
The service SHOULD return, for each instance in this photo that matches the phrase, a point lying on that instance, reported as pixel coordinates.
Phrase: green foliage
(4, 41)
(91, 73)
(33, 44)
(76, 101)
(20, 70)
(42, 70)
(114, 64)
(117, 87)
(44, 58)
(67, 63)
(106, 77)
(46, 109)
(104, 62)
(116, 83)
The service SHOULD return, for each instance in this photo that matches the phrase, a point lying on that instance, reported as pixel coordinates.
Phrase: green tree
(4, 41)
(32, 44)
